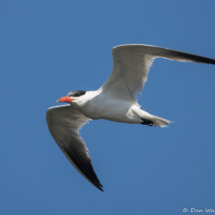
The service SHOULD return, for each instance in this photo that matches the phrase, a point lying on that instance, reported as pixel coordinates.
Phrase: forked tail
(155, 121)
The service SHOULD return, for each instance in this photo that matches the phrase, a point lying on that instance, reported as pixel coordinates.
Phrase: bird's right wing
(131, 65)
(64, 123)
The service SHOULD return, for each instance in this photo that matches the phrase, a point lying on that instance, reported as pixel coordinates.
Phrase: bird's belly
(118, 111)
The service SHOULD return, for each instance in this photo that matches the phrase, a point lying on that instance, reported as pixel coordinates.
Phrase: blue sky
(49, 48)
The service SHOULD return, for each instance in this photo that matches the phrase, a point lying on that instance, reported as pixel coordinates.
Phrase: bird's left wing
(64, 123)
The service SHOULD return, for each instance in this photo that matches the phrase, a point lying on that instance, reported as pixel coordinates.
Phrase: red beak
(65, 99)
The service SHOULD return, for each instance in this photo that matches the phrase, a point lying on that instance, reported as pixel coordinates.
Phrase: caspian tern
(115, 101)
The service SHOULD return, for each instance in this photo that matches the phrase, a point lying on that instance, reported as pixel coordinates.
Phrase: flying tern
(115, 101)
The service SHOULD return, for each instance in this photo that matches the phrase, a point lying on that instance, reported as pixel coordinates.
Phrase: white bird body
(114, 101)
(100, 105)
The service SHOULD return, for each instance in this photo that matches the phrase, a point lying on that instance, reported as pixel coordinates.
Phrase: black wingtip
(98, 185)
(100, 189)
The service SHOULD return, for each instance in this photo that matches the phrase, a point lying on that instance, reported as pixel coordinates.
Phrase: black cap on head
(76, 93)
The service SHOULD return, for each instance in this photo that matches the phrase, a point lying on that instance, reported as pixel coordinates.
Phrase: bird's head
(72, 96)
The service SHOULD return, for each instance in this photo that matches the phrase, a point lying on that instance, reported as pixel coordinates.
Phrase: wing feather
(64, 123)
(131, 65)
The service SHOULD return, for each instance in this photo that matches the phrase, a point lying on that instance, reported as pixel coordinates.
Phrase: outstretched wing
(131, 65)
(64, 123)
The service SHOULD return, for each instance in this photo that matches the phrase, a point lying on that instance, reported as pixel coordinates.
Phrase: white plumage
(115, 101)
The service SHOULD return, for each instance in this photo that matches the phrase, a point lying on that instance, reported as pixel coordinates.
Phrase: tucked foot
(147, 122)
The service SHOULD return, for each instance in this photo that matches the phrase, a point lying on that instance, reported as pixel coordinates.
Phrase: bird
(115, 100)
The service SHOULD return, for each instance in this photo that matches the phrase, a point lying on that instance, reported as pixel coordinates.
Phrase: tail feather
(160, 122)
(151, 120)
